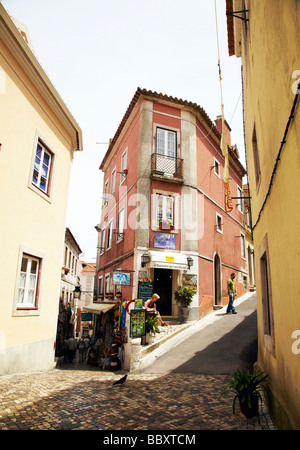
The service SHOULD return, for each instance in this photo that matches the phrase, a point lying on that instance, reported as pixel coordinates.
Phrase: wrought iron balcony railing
(166, 166)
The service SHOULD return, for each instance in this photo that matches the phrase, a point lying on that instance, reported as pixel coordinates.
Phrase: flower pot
(183, 314)
(149, 338)
(249, 411)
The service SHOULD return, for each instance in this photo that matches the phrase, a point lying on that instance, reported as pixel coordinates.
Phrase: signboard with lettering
(145, 291)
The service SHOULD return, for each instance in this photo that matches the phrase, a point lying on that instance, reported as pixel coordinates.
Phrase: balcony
(166, 168)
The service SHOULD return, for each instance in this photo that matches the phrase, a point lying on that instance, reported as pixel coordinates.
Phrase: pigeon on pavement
(121, 380)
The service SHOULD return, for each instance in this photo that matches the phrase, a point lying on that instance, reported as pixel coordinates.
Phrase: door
(217, 280)
(162, 285)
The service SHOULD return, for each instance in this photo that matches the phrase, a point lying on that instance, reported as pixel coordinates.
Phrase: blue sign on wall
(164, 240)
(122, 278)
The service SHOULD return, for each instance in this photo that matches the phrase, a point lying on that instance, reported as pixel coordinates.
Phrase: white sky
(97, 52)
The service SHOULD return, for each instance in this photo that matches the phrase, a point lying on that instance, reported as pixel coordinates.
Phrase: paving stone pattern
(76, 399)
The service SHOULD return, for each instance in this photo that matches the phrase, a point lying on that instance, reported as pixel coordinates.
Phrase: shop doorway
(162, 285)
(217, 280)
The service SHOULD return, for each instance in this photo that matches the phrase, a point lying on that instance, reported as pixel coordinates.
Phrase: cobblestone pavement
(74, 399)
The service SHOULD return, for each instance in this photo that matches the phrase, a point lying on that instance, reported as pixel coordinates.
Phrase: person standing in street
(71, 348)
(231, 294)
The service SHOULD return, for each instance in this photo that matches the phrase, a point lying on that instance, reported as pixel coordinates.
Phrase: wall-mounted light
(77, 292)
(145, 259)
(190, 262)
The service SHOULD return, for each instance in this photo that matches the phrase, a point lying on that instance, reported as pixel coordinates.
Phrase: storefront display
(107, 348)
(137, 323)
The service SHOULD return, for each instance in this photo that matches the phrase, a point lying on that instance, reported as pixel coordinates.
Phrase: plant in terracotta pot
(247, 389)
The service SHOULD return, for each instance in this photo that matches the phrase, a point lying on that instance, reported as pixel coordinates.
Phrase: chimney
(218, 123)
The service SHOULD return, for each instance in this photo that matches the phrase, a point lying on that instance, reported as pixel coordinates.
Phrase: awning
(168, 260)
(98, 308)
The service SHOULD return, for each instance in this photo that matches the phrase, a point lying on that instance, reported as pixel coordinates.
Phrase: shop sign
(86, 317)
(165, 265)
(121, 278)
(145, 291)
(163, 240)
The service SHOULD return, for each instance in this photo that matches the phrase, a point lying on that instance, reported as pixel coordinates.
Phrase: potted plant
(151, 327)
(184, 296)
(247, 389)
(165, 224)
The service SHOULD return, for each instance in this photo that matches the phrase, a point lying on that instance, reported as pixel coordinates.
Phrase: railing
(166, 166)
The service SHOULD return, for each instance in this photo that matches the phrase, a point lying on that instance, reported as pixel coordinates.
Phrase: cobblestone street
(87, 400)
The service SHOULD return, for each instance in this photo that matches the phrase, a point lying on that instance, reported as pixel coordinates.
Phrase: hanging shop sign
(138, 323)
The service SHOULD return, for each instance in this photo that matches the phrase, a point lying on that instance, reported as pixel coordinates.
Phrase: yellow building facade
(266, 37)
(38, 139)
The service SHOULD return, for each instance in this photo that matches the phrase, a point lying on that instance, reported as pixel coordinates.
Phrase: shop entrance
(217, 280)
(162, 285)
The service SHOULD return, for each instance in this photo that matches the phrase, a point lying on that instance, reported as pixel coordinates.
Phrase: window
(164, 210)
(166, 151)
(217, 168)
(100, 285)
(113, 182)
(266, 296)
(219, 225)
(240, 200)
(42, 168)
(109, 234)
(102, 242)
(28, 283)
(120, 230)
(257, 171)
(105, 196)
(123, 167)
(106, 287)
(166, 142)
(243, 249)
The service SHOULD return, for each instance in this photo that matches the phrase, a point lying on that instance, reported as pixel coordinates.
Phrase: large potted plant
(184, 297)
(151, 328)
(247, 389)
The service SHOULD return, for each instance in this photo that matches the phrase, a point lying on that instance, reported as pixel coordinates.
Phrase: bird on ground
(121, 380)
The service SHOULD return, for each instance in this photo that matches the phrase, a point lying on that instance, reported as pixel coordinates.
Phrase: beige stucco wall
(29, 220)
(271, 56)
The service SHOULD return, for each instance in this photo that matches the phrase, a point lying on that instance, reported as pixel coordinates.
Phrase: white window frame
(243, 246)
(35, 186)
(105, 196)
(120, 229)
(113, 182)
(100, 285)
(25, 308)
(102, 241)
(240, 200)
(219, 227)
(109, 234)
(107, 284)
(168, 202)
(165, 132)
(123, 166)
(217, 168)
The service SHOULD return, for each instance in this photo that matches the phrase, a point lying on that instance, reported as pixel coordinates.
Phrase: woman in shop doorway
(150, 305)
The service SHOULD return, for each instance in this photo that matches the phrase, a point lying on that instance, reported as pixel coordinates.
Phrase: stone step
(171, 320)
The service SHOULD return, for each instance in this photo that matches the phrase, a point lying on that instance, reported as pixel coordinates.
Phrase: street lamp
(190, 262)
(145, 259)
(77, 292)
